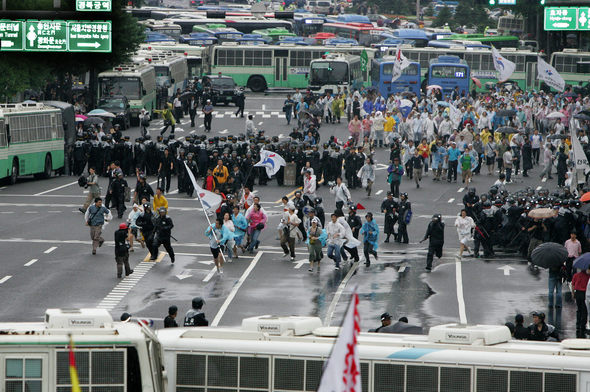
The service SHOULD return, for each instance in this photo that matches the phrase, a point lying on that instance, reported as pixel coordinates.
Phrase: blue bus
(152, 36)
(308, 24)
(449, 72)
(381, 72)
(416, 37)
(198, 39)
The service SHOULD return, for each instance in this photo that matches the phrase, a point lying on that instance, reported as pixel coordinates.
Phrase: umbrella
(582, 262)
(476, 81)
(100, 113)
(401, 327)
(506, 113)
(507, 130)
(405, 103)
(83, 117)
(93, 120)
(549, 254)
(570, 95)
(555, 115)
(186, 95)
(585, 197)
(443, 103)
(433, 86)
(556, 136)
(582, 116)
(408, 94)
(79, 119)
(542, 213)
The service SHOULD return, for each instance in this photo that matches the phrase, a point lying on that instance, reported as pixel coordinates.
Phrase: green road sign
(89, 36)
(567, 18)
(46, 35)
(94, 5)
(11, 35)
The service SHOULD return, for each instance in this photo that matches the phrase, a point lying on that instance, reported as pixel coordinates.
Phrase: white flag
(580, 160)
(343, 369)
(401, 63)
(271, 161)
(549, 75)
(503, 66)
(209, 200)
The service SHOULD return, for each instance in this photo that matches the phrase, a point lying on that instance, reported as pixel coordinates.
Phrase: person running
(218, 235)
(133, 228)
(370, 230)
(95, 217)
(257, 220)
(336, 234)
(93, 189)
(436, 236)
(241, 225)
(316, 239)
(464, 225)
(367, 175)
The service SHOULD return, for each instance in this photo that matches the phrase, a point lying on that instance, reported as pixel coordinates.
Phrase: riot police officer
(162, 232)
(389, 207)
(436, 236)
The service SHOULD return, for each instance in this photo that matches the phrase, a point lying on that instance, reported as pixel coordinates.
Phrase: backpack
(82, 181)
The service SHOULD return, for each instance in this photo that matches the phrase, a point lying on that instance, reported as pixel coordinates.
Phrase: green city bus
(497, 41)
(31, 140)
(268, 66)
(275, 33)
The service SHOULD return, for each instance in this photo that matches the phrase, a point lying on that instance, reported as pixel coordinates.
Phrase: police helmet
(487, 204)
(317, 200)
(540, 315)
(147, 206)
(403, 194)
(198, 303)
(162, 209)
(510, 201)
(471, 191)
(498, 202)
(565, 203)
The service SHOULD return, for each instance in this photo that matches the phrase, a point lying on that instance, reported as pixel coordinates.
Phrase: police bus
(382, 73)
(31, 140)
(282, 354)
(135, 81)
(335, 70)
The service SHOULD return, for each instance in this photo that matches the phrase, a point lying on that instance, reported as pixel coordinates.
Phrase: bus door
(532, 83)
(281, 57)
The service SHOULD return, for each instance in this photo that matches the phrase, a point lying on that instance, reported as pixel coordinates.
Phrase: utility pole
(418, 10)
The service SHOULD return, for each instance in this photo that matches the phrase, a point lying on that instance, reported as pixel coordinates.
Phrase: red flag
(359, 206)
(73, 371)
(343, 369)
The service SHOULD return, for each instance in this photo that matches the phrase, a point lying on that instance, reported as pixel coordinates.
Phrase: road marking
(12, 212)
(544, 179)
(224, 131)
(54, 212)
(261, 122)
(184, 274)
(506, 269)
(539, 187)
(290, 194)
(191, 132)
(336, 298)
(202, 126)
(460, 299)
(281, 136)
(460, 190)
(235, 289)
(380, 191)
(55, 189)
(160, 257)
(31, 262)
(210, 274)
(4, 279)
(452, 199)
(259, 113)
(263, 107)
(274, 113)
(1, 188)
(173, 192)
(50, 250)
(266, 116)
(299, 264)
(30, 212)
(124, 287)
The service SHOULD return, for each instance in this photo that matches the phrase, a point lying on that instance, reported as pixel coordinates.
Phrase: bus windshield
(411, 70)
(163, 76)
(129, 87)
(448, 72)
(328, 72)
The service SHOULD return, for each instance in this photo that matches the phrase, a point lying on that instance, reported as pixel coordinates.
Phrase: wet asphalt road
(46, 260)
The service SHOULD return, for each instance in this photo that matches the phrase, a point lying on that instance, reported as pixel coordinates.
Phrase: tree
(444, 16)
(429, 11)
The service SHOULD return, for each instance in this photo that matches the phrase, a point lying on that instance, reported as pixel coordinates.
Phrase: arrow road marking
(183, 275)
(299, 264)
(506, 269)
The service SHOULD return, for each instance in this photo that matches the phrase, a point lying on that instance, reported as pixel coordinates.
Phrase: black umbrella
(507, 130)
(186, 95)
(556, 136)
(582, 116)
(506, 113)
(570, 95)
(93, 120)
(401, 327)
(549, 254)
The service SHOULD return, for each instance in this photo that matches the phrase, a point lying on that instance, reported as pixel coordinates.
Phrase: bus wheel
(48, 167)
(257, 84)
(14, 174)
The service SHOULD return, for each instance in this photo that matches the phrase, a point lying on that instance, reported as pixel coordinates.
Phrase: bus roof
(410, 34)
(352, 18)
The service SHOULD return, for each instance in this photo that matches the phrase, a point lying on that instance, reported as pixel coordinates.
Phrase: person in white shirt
(483, 122)
(341, 192)
(536, 141)
(336, 234)
(177, 103)
(559, 127)
(309, 187)
(445, 128)
(464, 226)
(290, 231)
(249, 127)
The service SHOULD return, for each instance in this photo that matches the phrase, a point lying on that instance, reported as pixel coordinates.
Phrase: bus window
(410, 70)
(163, 77)
(449, 72)
(328, 73)
(129, 87)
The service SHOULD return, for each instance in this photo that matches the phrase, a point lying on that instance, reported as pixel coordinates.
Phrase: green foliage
(17, 74)
(429, 11)
(444, 16)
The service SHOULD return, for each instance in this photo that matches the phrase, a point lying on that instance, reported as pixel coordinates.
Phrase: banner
(271, 161)
(209, 200)
(343, 369)
(401, 63)
(580, 160)
(503, 66)
(549, 75)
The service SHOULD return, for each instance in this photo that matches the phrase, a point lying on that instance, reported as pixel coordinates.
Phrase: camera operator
(221, 174)
(93, 189)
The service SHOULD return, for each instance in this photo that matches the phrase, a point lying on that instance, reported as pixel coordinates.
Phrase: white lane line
(192, 132)
(235, 289)
(12, 212)
(544, 179)
(202, 126)
(50, 250)
(336, 298)
(281, 136)
(380, 191)
(460, 299)
(460, 190)
(4, 279)
(261, 122)
(1, 188)
(153, 182)
(452, 199)
(173, 192)
(125, 286)
(210, 274)
(30, 263)
(259, 113)
(55, 189)
(539, 187)
(274, 113)
(266, 116)
(224, 131)
(263, 107)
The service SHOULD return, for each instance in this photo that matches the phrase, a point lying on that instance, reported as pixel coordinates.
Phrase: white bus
(196, 56)
(335, 70)
(135, 81)
(165, 27)
(510, 25)
(171, 73)
(572, 65)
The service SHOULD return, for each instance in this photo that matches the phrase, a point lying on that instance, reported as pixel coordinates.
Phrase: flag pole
(196, 186)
